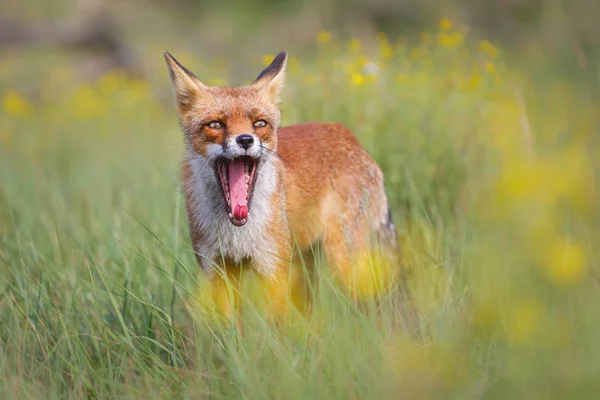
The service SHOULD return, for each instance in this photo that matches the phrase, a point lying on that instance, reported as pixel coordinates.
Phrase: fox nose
(245, 141)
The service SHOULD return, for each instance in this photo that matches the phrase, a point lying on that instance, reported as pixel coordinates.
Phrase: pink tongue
(237, 189)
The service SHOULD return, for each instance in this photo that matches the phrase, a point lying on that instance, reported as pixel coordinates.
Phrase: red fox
(256, 191)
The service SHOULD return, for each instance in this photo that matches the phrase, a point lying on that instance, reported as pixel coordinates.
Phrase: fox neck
(211, 217)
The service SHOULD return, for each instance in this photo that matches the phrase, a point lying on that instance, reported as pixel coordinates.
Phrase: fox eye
(261, 123)
(215, 125)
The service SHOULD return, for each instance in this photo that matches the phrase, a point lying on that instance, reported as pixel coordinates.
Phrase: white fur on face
(221, 237)
(233, 149)
(214, 151)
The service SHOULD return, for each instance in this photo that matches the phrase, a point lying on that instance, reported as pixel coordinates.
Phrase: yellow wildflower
(267, 59)
(110, 82)
(370, 78)
(522, 322)
(324, 37)
(88, 104)
(536, 180)
(357, 79)
(450, 39)
(361, 61)
(386, 51)
(489, 49)
(355, 45)
(16, 105)
(490, 67)
(566, 262)
(445, 24)
(471, 83)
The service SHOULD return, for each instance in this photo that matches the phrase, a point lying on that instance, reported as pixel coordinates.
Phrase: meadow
(492, 178)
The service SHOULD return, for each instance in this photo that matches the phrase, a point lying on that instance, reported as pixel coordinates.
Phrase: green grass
(100, 293)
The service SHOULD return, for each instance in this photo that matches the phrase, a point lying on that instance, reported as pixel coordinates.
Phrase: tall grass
(492, 185)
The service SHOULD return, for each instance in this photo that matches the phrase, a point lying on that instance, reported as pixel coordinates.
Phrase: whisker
(270, 158)
(275, 154)
(180, 163)
(188, 158)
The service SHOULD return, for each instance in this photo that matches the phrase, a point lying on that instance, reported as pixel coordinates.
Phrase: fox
(259, 196)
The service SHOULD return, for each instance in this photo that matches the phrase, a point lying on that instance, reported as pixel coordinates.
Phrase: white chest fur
(220, 238)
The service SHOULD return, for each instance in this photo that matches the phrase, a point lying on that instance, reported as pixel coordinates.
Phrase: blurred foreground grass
(493, 184)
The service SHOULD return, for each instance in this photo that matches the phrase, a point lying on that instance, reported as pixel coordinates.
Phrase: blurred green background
(553, 36)
(483, 115)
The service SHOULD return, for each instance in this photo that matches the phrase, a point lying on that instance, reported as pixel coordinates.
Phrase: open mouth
(237, 178)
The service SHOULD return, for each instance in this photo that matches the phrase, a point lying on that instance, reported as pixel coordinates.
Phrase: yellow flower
(450, 39)
(370, 78)
(445, 24)
(88, 104)
(355, 45)
(541, 181)
(16, 105)
(357, 79)
(522, 322)
(110, 82)
(267, 59)
(487, 48)
(386, 51)
(324, 37)
(566, 262)
(490, 67)
(372, 273)
(471, 83)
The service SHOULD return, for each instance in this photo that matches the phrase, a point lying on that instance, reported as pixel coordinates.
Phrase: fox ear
(186, 85)
(272, 78)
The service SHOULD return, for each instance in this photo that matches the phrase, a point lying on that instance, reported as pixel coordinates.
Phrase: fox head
(234, 129)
